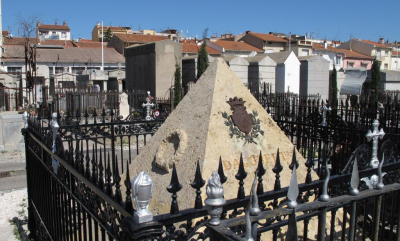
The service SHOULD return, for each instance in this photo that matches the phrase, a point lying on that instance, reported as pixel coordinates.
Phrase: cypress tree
(107, 35)
(375, 82)
(202, 57)
(177, 84)
(334, 89)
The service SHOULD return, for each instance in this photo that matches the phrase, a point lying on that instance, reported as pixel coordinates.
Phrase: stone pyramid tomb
(219, 117)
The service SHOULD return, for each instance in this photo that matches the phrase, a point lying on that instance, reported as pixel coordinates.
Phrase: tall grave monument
(218, 118)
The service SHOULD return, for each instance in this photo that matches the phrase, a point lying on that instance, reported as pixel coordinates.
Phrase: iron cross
(148, 106)
(374, 136)
(324, 109)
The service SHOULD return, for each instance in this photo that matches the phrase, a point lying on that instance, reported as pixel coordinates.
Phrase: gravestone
(217, 118)
(123, 105)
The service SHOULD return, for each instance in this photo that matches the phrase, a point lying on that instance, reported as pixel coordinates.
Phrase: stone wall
(11, 138)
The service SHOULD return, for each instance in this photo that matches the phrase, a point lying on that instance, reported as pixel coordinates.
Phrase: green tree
(375, 82)
(334, 97)
(177, 84)
(107, 35)
(202, 57)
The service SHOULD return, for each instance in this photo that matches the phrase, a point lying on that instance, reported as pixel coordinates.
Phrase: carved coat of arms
(241, 119)
(242, 124)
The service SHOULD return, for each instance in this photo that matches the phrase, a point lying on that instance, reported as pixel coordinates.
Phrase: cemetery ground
(13, 196)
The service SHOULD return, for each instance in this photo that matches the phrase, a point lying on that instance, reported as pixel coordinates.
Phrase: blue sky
(333, 20)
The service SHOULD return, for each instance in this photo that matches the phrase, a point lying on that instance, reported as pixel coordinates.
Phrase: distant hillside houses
(57, 62)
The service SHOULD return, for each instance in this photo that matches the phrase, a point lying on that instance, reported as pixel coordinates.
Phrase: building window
(378, 54)
(59, 70)
(304, 52)
(386, 66)
(14, 70)
(77, 70)
(364, 65)
(386, 53)
(338, 60)
(63, 34)
(350, 64)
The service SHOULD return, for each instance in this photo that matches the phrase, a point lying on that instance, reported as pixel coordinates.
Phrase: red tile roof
(89, 44)
(395, 53)
(85, 40)
(18, 41)
(267, 37)
(112, 28)
(51, 27)
(136, 38)
(348, 53)
(67, 43)
(375, 43)
(189, 47)
(238, 46)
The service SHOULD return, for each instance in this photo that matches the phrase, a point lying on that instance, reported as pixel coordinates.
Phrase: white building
(287, 72)
(262, 70)
(58, 32)
(238, 65)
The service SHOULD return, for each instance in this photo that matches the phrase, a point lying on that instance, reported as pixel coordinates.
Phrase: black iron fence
(91, 101)
(312, 125)
(75, 162)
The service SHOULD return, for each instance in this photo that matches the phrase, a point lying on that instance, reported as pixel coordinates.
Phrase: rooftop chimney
(65, 23)
(380, 40)
(325, 44)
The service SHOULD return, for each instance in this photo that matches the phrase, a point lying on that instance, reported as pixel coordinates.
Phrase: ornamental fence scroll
(82, 200)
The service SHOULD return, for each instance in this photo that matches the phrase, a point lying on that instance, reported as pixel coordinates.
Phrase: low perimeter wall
(11, 138)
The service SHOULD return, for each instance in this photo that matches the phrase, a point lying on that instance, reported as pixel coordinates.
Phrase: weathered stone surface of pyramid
(219, 117)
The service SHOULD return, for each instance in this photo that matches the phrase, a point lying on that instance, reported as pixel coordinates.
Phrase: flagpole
(102, 46)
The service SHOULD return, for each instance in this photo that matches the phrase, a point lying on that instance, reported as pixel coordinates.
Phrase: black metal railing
(75, 168)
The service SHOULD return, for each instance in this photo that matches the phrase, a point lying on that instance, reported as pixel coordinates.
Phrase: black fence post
(31, 216)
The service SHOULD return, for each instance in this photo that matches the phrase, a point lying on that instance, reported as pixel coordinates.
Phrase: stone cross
(148, 106)
(324, 109)
(374, 137)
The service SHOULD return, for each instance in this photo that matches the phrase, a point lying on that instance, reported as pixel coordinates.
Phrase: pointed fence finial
(197, 184)
(293, 190)
(380, 185)
(355, 179)
(248, 231)
(241, 175)
(254, 209)
(173, 188)
(260, 173)
(324, 197)
(221, 174)
(294, 160)
(277, 169)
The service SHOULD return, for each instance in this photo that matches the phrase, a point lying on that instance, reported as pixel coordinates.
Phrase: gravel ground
(13, 203)
(17, 157)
